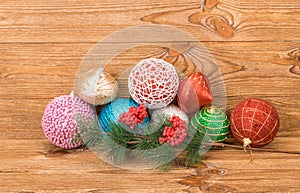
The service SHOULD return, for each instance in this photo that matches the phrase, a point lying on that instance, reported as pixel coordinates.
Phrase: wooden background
(255, 43)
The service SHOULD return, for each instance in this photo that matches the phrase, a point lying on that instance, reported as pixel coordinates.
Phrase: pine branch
(161, 157)
(251, 148)
(193, 145)
(89, 131)
(115, 153)
(115, 143)
(120, 135)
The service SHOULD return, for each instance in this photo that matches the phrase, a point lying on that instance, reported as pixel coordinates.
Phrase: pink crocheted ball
(59, 122)
(153, 83)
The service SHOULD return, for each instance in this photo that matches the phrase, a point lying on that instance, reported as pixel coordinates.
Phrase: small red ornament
(254, 122)
(194, 92)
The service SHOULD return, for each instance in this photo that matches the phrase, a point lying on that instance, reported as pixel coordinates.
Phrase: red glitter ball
(194, 92)
(254, 122)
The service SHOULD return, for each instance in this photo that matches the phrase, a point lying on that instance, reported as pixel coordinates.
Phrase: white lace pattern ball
(153, 83)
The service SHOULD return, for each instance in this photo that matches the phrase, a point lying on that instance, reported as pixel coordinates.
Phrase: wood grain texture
(255, 44)
(84, 21)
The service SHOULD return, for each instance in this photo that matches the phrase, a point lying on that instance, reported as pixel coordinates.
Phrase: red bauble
(254, 122)
(194, 92)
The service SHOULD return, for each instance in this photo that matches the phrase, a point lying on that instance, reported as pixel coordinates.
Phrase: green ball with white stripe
(212, 123)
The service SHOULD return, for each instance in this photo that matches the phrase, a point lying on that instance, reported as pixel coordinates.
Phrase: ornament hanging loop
(247, 142)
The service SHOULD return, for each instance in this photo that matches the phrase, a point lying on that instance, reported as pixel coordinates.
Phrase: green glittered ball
(212, 123)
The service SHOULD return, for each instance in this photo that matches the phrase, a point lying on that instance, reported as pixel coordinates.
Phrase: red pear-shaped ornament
(194, 92)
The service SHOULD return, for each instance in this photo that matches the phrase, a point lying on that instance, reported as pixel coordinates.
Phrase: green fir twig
(116, 143)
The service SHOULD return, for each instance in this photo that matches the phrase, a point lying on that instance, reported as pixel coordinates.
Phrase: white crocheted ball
(153, 83)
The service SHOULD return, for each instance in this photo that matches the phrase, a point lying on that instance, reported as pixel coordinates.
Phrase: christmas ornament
(175, 134)
(170, 110)
(212, 122)
(111, 113)
(96, 88)
(153, 83)
(254, 122)
(59, 121)
(194, 92)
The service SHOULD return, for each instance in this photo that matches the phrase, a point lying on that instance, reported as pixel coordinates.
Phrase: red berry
(176, 134)
(133, 116)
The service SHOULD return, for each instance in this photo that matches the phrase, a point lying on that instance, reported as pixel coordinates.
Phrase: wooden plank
(89, 22)
(241, 64)
(26, 160)
(230, 56)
